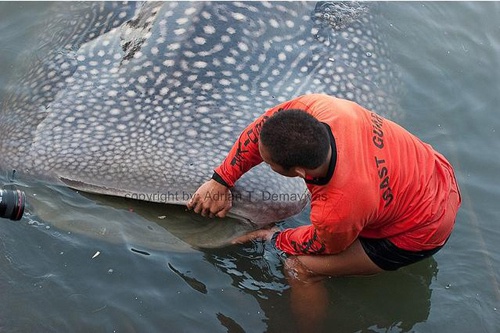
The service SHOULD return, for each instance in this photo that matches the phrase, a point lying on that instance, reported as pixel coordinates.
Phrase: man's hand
(211, 199)
(261, 234)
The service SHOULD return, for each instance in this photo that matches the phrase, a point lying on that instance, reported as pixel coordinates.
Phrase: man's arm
(244, 154)
(213, 198)
(306, 240)
(331, 231)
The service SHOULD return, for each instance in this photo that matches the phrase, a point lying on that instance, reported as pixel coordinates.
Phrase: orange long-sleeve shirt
(385, 182)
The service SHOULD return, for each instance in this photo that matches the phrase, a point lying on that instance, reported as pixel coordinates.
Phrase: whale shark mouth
(150, 197)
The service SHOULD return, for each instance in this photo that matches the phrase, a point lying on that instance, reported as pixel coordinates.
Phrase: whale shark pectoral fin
(106, 190)
(243, 219)
(154, 195)
(86, 187)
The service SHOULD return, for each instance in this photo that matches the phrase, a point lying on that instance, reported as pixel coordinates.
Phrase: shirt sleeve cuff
(280, 252)
(219, 179)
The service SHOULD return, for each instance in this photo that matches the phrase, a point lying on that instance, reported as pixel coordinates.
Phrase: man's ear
(299, 171)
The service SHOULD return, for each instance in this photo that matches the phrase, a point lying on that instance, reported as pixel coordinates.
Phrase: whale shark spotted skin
(144, 100)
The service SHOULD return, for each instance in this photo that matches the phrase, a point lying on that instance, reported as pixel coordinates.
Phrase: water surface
(56, 280)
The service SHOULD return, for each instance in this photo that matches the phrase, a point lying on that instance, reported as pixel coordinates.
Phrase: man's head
(293, 139)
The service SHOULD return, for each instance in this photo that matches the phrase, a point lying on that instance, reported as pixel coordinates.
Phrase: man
(381, 198)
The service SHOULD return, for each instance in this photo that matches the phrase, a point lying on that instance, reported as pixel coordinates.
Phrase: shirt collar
(331, 166)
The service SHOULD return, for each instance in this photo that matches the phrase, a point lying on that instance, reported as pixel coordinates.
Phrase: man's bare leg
(306, 273)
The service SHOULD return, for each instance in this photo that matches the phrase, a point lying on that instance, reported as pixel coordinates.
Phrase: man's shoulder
(313, 98)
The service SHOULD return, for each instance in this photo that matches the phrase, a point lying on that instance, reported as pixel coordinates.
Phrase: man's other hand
(261, 234)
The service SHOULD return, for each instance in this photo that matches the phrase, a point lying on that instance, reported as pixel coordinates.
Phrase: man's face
(266, 156)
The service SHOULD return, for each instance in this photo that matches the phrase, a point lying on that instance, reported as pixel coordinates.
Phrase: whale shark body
(143, 100)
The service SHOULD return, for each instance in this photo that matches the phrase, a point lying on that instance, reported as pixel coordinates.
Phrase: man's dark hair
(294, 138)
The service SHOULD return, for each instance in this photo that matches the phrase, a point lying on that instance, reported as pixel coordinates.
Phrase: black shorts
(389, 257)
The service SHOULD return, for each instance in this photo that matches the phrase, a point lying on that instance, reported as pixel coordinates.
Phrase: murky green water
(53, 279)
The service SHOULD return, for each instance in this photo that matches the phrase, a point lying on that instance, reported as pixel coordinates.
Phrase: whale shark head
(144, 100)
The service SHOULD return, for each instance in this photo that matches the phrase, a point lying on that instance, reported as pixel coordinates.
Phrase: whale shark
(143, 100)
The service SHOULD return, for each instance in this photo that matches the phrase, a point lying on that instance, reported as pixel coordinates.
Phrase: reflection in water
(254, 267)
(396, 300)
(192, 282)
(229, 323)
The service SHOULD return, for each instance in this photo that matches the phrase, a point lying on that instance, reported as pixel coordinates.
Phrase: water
(55, 280)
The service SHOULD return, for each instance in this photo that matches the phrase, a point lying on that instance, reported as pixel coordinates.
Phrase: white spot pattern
(189, 86)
